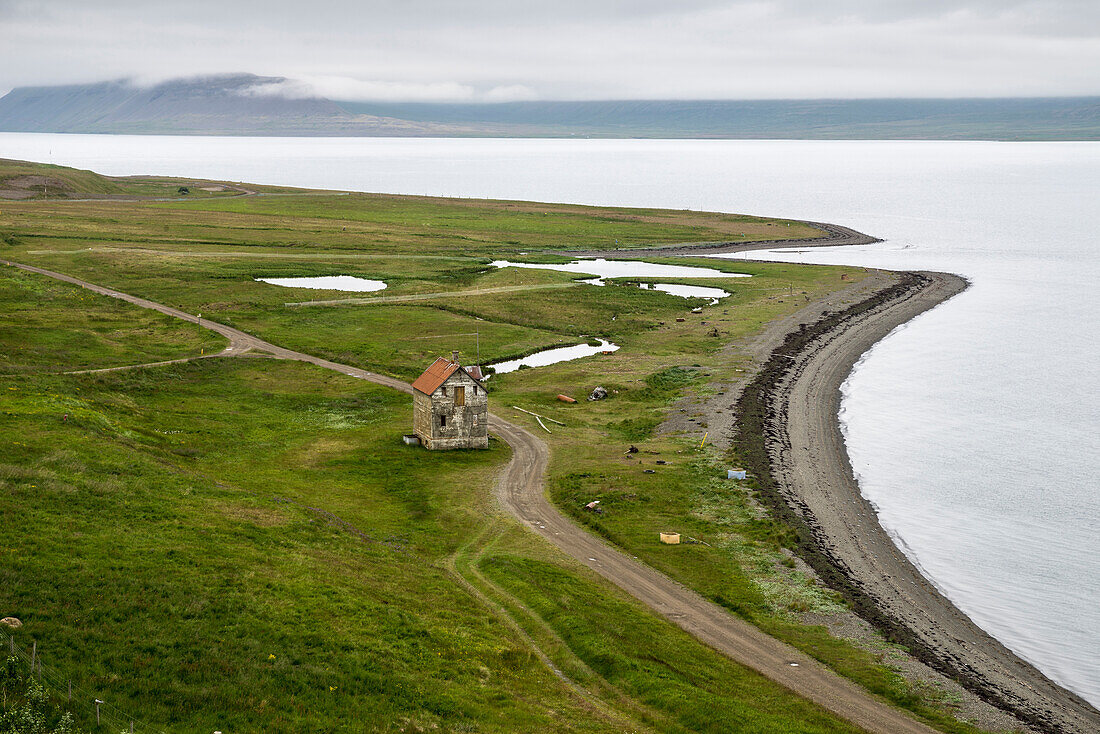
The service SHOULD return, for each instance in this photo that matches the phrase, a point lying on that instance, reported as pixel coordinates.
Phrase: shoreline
(788, 432)
(835, 236)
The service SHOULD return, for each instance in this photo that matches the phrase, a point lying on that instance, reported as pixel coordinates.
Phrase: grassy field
(22, 180)
(244, 544)
(48, 326)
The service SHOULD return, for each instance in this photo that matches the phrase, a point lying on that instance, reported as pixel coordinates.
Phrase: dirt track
(521, 491)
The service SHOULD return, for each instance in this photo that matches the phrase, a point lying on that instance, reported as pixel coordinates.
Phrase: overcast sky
(569, 49)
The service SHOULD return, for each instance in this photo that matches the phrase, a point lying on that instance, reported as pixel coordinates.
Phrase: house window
(442, 421)
(444, 388)
(460, 396)
(475, 389)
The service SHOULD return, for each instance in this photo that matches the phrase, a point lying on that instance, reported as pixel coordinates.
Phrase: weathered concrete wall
(422, 417)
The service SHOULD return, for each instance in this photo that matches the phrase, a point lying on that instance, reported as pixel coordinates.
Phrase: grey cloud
(433, 49)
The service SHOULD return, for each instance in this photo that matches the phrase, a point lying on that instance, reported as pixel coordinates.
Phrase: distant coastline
(238, 105)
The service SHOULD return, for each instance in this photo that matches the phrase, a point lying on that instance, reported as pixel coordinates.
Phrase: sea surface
(974, 429)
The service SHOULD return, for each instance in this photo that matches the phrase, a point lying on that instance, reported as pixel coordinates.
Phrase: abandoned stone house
(450, 406)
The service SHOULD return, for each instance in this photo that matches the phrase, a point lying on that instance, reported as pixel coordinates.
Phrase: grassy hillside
(23, 180)
(40, 179)
(246, 544)
(242, 544)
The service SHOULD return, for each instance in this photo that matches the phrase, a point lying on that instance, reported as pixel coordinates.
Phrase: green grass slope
(39, 178)
(246, 544)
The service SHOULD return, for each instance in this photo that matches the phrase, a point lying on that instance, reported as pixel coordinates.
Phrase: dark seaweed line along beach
(788, 434)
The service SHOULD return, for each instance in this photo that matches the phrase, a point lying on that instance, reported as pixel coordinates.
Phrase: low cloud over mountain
(245, 104)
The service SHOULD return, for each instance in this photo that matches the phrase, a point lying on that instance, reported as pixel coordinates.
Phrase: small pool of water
(623, 269)
(553, 356)
(687, 291)
(329, 283)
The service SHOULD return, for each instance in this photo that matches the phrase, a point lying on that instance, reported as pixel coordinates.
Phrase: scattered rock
(632, 450)
(11, 622)
(598, 393)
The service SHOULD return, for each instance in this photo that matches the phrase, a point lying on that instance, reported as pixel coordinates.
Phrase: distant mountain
(245, 104)
(1057, 118)
(215, 105)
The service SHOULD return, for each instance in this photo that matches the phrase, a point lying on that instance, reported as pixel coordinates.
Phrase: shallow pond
(553, 356)
(329, 283)
(687, 291)
(638, 269)
(623, 269)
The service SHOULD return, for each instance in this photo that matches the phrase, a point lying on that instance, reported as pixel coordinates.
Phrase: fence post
(70, 690)
(34, 653)
(97, 702)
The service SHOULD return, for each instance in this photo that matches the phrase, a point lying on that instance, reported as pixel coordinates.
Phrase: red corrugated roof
(438, 373)
(435, 376)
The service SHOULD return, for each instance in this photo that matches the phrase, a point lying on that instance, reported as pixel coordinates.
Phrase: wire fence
(86, 705)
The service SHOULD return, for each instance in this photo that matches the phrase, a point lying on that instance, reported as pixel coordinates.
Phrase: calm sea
(975, 429)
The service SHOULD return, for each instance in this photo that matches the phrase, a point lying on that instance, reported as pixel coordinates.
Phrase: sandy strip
(788, 413)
